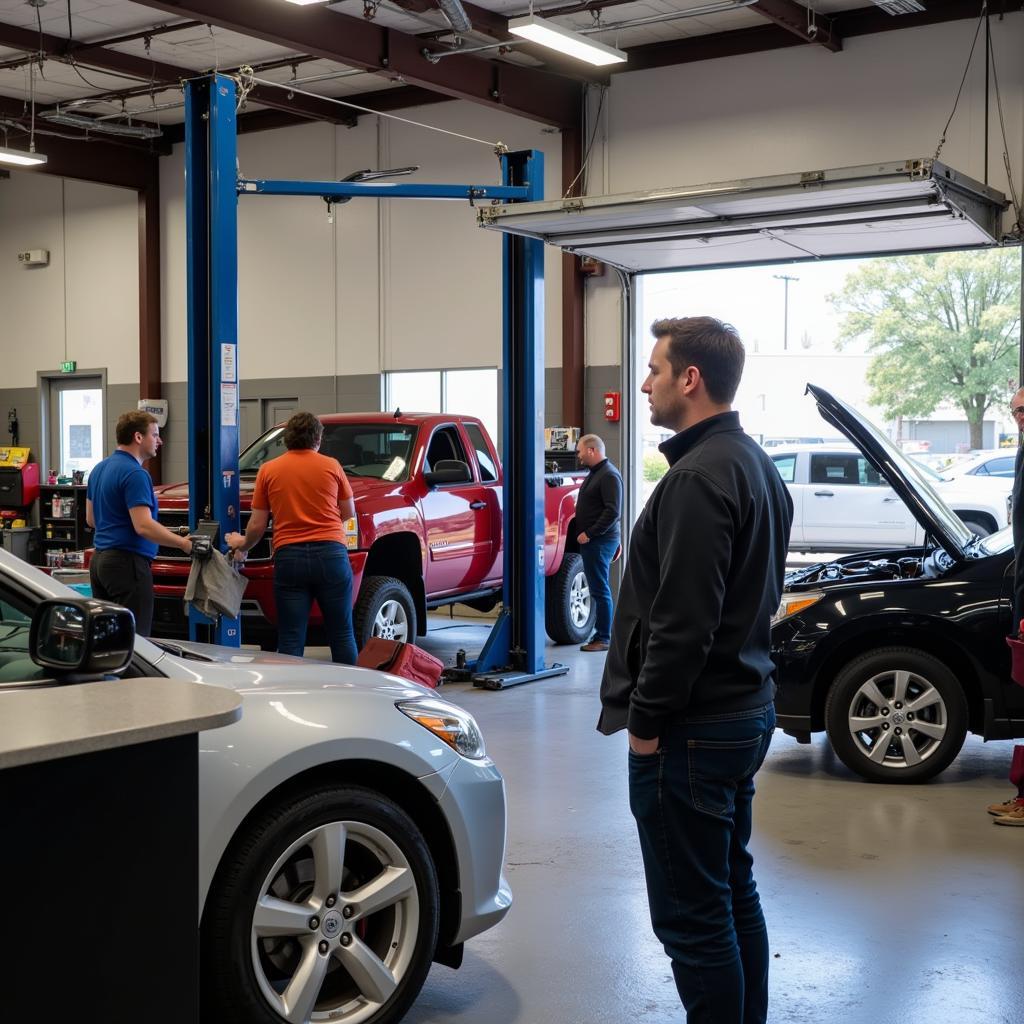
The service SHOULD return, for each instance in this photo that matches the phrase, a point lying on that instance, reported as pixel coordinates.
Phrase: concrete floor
(885, 904)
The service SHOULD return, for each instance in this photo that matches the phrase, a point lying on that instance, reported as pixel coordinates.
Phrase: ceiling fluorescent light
(547, 33)
(21, 157)
(306, 3)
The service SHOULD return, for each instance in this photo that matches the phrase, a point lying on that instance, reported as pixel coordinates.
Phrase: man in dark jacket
(689, 672)
(598, 507)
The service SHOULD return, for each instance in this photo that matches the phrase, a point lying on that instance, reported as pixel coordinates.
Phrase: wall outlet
(34, 258)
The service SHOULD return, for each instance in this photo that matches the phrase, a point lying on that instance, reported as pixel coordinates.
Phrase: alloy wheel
(897, 719)
(391, 622)
(579, 600)
(335, 925)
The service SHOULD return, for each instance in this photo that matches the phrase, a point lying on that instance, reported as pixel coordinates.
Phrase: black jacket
(703, 578)
(599, 502)
(1017, 518)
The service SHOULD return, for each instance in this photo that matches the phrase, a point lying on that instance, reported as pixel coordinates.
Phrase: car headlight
(792, 604)
(456, 727)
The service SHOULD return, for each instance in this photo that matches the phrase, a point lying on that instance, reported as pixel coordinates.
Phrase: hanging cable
(970, 57)
(498, 147)
(1019, 226)
(590, 145)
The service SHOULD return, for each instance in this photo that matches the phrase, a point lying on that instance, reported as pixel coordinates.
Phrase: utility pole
(785, 279)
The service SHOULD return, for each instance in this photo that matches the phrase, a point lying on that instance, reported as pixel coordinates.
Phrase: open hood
(935, 516)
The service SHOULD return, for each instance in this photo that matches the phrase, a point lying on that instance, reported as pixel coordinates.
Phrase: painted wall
(85, 304)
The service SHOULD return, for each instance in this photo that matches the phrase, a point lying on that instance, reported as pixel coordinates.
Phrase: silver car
(351, 827)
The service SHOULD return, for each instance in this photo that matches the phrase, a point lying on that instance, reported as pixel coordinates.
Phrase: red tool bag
(405, 660)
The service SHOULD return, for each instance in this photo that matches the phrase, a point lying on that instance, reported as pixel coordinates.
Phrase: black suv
(897, 654)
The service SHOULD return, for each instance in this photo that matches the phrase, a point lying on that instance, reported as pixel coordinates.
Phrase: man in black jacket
(689, 672)
(598, 506)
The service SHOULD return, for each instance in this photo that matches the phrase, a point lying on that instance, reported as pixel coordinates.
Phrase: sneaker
(1006, 807)
(1015, 817)
(594, 645)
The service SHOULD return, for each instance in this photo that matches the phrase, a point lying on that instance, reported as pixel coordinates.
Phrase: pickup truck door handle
(824, 494)
(478, 504)
(892, 497)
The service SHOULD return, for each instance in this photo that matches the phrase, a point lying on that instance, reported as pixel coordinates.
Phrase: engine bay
(859, 569)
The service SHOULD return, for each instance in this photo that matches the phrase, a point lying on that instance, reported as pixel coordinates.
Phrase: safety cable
(967, 67)
(498, 147)
(1019, 225)
(590, 148)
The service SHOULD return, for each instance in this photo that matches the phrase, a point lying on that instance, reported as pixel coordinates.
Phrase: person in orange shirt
(309, 498)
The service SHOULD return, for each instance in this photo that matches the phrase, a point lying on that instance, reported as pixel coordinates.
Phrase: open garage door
(904, 206)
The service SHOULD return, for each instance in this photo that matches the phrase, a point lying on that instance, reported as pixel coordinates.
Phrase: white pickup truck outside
(842, 503)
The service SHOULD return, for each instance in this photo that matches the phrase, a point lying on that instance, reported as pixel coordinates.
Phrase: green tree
(941, 328)
(655, 466)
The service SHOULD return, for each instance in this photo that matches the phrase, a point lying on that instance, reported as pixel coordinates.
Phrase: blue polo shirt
(118, 484)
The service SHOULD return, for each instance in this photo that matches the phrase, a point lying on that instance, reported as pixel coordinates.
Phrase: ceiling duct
(89, 124)
(456, 15)
(900, 6)
(904, 206)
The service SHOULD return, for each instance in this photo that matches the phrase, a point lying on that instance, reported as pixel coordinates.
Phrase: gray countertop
(43, 723)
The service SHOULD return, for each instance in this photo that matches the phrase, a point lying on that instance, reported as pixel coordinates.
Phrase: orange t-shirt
(301, 490)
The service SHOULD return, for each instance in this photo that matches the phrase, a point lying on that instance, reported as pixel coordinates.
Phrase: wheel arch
(395, 784)
(929, 641)
(401, 556)
(978, 515)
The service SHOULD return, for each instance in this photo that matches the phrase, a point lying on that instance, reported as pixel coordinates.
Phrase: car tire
(976, 526)
(896, 688)
(277, 876)
(384, 608)
(569, 610)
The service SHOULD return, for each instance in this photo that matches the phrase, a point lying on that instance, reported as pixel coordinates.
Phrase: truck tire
(384, 608)
(976, 523)
(569, 612)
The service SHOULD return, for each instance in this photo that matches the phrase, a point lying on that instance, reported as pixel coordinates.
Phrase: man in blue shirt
(121, 507)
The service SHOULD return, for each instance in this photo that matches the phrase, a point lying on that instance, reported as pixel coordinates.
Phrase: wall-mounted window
(465, 392)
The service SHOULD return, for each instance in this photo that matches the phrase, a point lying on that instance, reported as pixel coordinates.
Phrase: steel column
(514, 652)
(211, 214)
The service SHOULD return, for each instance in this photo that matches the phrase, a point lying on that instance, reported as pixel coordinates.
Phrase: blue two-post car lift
(514, 651)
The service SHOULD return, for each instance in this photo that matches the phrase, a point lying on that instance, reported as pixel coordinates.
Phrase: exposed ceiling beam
(856, 22)
(495, 25)
(796, 18)
(148, 33)
(146, 70)
(122, 163)
(537, 95)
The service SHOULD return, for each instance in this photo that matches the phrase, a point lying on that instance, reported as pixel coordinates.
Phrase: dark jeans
(597, 558)
(125, 578)
(692, 803)
(320, 571)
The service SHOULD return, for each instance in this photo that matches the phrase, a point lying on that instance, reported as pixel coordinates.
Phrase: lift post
(514, 651)
(211, 217)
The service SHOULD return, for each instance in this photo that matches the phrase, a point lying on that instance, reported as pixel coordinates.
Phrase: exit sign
(68, 366)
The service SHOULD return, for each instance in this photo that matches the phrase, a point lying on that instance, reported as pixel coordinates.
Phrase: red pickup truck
(427, 530)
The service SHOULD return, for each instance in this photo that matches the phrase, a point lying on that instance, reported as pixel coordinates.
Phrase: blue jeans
(320, 571)
(597, 558)
(692, 803)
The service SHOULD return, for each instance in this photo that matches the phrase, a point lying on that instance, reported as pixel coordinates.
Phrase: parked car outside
(427, 530)
(842, 503)
(898, 653)
(351, 826)
(996, 462)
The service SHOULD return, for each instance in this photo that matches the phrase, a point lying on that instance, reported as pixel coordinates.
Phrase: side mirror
(448, 471)
(83, 636)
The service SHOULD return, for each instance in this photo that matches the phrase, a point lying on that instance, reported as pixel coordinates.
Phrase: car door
(456, 519)
(787, 464)
(848, 505)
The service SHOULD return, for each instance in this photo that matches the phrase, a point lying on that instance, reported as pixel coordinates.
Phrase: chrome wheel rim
(335, 924)
(579, 600)
(392, 622)
(897, 719)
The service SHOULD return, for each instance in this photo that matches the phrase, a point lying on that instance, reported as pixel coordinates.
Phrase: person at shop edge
(688, 671)
(309, 498)
(121, 508)
(598, 507)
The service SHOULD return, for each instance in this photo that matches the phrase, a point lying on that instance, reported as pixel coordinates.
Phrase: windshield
(895, 464)
(381, 451)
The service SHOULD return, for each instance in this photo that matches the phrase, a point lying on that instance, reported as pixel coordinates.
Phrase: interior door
(457, 521)
(847, 503)
(75, 426)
